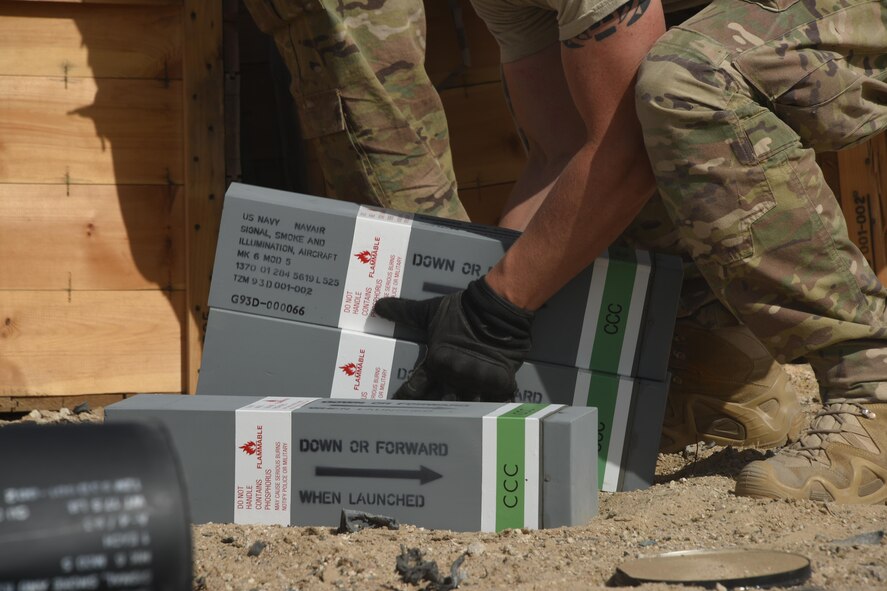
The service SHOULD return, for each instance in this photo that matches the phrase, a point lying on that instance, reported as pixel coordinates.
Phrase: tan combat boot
(841, 458)
(726, 389)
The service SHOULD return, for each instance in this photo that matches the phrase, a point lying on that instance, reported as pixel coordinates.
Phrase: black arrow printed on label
(424, 475)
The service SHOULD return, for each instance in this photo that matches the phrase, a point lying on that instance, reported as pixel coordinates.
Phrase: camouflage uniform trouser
(362, 94)
(733, 104)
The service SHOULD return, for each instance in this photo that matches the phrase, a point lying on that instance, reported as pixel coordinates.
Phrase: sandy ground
(690, 507)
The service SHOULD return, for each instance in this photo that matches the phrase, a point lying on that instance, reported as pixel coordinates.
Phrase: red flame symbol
(349, 369)
(364, 256)
(249, 447)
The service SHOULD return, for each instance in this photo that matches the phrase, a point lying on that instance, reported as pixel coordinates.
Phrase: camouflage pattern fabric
(733, 104)
(362, 94)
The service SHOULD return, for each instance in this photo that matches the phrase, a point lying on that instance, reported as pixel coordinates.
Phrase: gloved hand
(476, 339)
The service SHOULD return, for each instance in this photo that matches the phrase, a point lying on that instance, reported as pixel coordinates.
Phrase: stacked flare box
(326, 262)
(249, 355)
(296, 277)
(447, 465)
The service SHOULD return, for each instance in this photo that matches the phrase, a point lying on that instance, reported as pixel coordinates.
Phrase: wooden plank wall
(97, 199)
(487, 153)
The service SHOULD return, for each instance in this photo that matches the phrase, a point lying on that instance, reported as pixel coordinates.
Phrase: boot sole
(758, 482)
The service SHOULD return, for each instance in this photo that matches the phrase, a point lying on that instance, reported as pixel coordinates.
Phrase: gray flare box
(321, 261)
(246, 354)
(442, 465)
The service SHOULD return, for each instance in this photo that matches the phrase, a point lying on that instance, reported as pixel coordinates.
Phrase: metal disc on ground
(708, 568)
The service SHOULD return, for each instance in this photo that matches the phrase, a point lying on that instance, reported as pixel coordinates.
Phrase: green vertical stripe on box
(613, 315)
(510, 466)
(602, 393)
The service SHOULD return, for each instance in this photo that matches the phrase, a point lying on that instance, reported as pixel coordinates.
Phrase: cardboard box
(326, 262)
(858, 177)
(864, 214)
(445, 465)
(253, 355)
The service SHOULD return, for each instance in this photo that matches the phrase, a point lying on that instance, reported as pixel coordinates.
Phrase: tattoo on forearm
(624, 16)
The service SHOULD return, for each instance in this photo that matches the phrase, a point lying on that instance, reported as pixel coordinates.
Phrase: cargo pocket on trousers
(741, 193)
(812, 90)
(320, 114)
(347, 168)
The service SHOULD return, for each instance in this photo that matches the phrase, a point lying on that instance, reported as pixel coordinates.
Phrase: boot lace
(827, 422)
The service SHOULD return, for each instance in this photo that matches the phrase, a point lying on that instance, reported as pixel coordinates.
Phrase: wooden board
(260, 131)
(444, 58)
(204, 168)
(88, 237)
(95, 342)
(862, 172)
(485, 144)
(96, 41)
(484, 204)
(85, 131)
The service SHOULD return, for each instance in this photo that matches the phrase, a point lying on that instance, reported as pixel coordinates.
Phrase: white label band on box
(262, 460)
(511, 466)
(363, 366)
(375, 268)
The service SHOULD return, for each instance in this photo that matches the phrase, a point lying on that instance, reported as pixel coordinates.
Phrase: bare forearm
(595, 198)
(552, 127)
(606, 182)
(529, 192)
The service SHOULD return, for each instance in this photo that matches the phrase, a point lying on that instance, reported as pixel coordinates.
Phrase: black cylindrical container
(92, 507)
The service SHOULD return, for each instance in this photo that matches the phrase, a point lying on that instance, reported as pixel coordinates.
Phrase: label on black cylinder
(86, 507)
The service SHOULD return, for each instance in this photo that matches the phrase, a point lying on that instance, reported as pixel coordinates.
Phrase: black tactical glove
(476, 339)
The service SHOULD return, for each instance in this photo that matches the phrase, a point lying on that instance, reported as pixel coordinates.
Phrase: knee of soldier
(680, 77)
